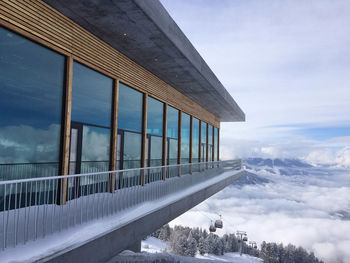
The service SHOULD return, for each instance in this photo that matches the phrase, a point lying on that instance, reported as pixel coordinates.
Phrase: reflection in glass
(172, 123)
(155, 111)
(172, 134)
(195, 141)
(131, 159)
(95, 153)
(154, 116)
(31, 84)
(129, 109)
(132, 150)
(215, 144)
(210, 143)
(204, 142)
(185, 138)
(91, 114)
(95, 149)
(155, 151)
(91, 96)
(172, 151)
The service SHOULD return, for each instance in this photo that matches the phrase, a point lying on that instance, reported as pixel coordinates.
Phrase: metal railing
(36, 207)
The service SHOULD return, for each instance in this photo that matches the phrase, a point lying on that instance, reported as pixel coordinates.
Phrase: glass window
(91, 96)
(131, 158)
(130, 109)
(195, 141)
(155, 110)
(173, 145)
(215, 144)
(132, 150)
(155, 151)
(173, 122)
(31, 85)
(204, 142)
(91, 113)
(185, 138)
(172, 134)
(210, 143)
(95, 149)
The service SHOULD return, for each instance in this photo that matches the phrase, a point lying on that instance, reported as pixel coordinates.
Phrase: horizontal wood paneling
(42, 23)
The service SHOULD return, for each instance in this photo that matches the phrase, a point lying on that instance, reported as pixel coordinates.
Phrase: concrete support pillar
(136, 247)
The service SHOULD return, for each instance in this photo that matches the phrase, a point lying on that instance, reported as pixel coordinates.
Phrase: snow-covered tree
(191, 248)
(164, 233)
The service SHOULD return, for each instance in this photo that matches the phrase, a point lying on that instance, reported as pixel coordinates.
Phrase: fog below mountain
(286, 201)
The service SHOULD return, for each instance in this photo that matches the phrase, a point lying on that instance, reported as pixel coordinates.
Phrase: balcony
(34, 208)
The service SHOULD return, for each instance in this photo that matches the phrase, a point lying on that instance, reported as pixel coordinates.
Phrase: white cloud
(296, 209)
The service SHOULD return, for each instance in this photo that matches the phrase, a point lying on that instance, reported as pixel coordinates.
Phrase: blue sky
(286, 63)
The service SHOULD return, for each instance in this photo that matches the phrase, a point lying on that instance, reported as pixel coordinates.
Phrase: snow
(82, 234)
(232, 257)
(156, 246)
(153, 245)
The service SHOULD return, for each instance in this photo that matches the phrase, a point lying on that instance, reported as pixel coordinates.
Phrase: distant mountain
(252, 179)
(289, 163)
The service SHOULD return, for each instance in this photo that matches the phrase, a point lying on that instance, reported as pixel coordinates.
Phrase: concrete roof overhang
(144, 31)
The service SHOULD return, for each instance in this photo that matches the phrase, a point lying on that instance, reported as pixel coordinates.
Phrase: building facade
(71, 102)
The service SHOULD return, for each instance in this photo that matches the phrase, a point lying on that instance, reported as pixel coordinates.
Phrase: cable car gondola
(212, 228)
(219, 223)
(245, 239)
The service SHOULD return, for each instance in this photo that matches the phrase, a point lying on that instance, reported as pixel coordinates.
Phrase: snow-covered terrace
(107, 221)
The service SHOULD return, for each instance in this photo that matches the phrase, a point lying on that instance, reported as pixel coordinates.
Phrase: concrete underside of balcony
(102, 239)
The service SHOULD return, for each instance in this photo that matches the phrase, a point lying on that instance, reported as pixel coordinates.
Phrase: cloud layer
(312, 211)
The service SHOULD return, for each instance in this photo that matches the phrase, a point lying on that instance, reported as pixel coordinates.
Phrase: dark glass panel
(185, 138)
(129, 109)
(91, 96)
(195, 141)
(31, 85)
(173, 123)
(204, 142)
(154, 117)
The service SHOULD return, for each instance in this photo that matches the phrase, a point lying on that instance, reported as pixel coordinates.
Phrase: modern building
(104, 106)
(89, 86)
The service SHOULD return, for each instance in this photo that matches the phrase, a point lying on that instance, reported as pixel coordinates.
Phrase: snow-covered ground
(232, 257)
(154, 245)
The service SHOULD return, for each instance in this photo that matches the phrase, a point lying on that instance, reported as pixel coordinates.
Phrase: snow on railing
(35, 207)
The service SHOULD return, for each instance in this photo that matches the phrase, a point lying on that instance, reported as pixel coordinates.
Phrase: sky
(287, 64)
